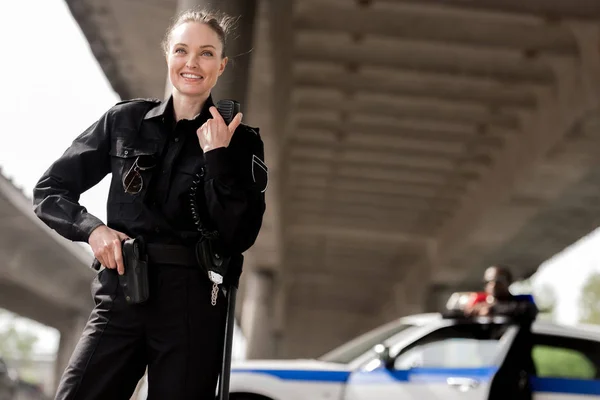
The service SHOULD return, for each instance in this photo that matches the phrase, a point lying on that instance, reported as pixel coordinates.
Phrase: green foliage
(15, 343)
(589, 302)
(554, 362)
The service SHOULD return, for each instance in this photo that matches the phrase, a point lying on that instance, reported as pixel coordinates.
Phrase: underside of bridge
(42, 276)
(411, 143)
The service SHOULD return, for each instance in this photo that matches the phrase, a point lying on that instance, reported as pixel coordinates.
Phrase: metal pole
(228, 345)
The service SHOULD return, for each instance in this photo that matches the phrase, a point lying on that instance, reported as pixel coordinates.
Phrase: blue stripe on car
(564, 385)
(425, 375)
(428, 375)
(300, 375)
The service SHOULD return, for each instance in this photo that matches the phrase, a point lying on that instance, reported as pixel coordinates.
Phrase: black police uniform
(512, 381)
(178, 334)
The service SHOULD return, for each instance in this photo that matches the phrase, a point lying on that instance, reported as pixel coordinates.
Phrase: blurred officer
(155, 150)
(497, 280)
(512, 379)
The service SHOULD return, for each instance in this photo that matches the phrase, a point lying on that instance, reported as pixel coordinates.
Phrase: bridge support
(69, 336)
(258, 316)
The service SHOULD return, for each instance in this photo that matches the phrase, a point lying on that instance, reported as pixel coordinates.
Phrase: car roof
(541, 325)
(580, 331)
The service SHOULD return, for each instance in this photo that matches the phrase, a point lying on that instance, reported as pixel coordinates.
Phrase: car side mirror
(383, 354)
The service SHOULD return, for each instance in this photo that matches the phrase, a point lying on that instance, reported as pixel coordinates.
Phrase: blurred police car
(429, 356)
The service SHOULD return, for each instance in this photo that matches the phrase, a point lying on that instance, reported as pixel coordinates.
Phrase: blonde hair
(221, 23)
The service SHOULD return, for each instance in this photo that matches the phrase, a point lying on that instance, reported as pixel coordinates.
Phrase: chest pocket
(125, 154)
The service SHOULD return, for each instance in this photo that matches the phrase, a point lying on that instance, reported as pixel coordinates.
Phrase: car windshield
(355, 348)
(457, 346)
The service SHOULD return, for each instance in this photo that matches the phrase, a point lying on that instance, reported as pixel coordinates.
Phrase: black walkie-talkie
(228, 109)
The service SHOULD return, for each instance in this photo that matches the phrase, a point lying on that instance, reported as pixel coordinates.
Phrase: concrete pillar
(258, 316)
(233, 84)
(438, 295)
(69, 336)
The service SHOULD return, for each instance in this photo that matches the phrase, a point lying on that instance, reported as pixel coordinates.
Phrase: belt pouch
(211, 256)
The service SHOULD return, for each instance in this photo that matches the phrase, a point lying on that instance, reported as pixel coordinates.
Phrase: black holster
(134, 282)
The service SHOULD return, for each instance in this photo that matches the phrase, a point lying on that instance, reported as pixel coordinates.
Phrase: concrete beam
(349, 232)
(360, 195)
(387, 205)
(544, 146)
(25, 266)
(396, 126)
(349, 140)
(415, 148)
(28, 249)
(386, 158)
(312, 99)
(368, 201)
(392, 211)
(424, 176)
(424, 56)
(29, 304)
(306, 250)
(375, 186)
(363, 280)
(406, 81)
(440, 24)
(585, 9)
(83, 14)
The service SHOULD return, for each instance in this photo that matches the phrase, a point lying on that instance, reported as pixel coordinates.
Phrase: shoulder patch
(260, 173)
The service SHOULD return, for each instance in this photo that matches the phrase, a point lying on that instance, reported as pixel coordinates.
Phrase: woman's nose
(191, 63)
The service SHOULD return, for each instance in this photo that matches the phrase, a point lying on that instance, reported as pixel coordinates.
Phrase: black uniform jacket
(234, 179)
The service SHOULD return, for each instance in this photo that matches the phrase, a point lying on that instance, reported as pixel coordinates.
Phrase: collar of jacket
(167, 104)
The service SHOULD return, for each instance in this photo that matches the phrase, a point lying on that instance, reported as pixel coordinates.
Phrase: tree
(589, 302)
(15, 343)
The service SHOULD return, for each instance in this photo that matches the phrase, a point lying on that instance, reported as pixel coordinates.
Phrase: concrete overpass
(410, 143)
(42, 276)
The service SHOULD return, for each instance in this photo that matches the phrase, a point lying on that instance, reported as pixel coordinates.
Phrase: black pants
(512, 381)
(178, 334)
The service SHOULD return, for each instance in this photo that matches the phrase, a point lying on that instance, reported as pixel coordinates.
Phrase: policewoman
(156, 152)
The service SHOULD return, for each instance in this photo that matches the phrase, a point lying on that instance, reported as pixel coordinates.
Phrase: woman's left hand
(214, 133)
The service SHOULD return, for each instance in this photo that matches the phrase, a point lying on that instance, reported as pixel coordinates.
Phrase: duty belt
(171, 254)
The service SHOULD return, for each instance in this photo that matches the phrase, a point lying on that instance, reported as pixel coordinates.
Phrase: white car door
(567, 368)
(455, 362)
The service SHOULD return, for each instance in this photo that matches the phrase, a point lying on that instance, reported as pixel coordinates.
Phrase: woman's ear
(223, 64)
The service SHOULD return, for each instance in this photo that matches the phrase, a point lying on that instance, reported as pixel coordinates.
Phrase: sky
(53, 88)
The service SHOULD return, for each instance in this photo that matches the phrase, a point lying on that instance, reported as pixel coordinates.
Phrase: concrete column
(258, 316)
(437, 297)
(69, 336)
(233, 84)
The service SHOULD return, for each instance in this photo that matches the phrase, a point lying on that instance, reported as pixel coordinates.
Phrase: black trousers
(178, 334)
(512, 381)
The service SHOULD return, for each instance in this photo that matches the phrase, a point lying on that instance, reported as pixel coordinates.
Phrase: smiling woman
(195, 48)
(160, 154)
